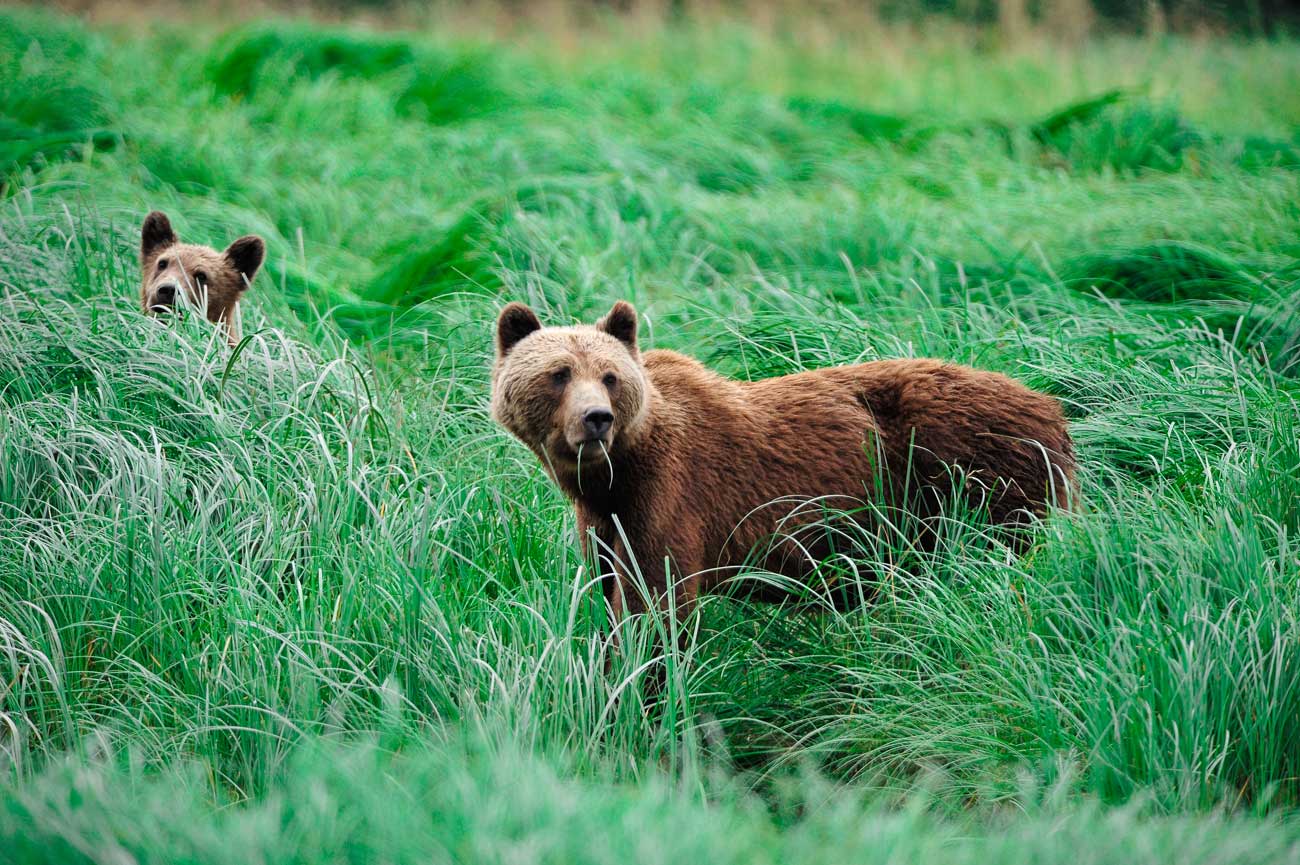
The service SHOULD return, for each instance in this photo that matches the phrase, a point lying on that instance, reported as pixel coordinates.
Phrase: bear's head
(207, 279)
(572, 394)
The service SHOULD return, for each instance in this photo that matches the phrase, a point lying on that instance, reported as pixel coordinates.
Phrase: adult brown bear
(681, 474)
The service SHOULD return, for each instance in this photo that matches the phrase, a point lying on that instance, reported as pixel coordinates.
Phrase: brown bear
(211, 281)
(678, 471)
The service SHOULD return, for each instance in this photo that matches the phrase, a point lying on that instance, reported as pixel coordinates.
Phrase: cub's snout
(162, 298)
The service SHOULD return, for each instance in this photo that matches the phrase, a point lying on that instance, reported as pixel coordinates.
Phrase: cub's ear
(156, 234)
(620, 323)
(514, 323)
(246, 255)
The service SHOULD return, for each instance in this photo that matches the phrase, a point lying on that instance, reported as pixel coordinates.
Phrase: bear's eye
(162, 264)
(610, 380)
(200, 276)
(560, 377)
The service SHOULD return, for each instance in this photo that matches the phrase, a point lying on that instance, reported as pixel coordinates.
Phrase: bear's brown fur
(212, 281)
(667, 461)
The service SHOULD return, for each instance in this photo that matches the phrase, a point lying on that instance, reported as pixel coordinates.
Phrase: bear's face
(570, 393)
(207, 279)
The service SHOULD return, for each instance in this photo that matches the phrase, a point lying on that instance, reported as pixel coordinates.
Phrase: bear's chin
(566, 454)
(165, 310)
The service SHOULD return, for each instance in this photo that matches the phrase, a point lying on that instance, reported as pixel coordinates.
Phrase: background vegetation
(304, 602)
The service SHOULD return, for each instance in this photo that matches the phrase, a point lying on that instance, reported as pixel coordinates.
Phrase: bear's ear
(246, 255)
(156, 234)
(620, 323)
(514, 323)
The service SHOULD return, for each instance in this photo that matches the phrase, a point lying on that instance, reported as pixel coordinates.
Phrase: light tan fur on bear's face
(209, 280)
(569, 393)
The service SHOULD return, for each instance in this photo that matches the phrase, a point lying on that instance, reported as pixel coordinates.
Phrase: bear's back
(826, 429)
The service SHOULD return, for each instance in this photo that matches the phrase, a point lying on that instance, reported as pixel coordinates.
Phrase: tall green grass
(305, 602)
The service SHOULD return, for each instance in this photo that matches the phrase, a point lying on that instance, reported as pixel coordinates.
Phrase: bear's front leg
(665, 586)
(666, 589)
(658, 573)
(601, 549)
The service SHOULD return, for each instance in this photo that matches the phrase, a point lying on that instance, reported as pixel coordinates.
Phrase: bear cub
(667, 462)
(209, 280)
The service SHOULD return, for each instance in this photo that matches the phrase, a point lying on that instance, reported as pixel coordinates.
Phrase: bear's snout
(596, 422)
(164, 296)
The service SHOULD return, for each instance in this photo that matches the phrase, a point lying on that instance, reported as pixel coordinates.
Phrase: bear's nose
(165, 294)
(597, 422)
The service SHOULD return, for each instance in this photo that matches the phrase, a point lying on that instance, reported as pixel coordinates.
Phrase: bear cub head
(572, 394)
(207, 279)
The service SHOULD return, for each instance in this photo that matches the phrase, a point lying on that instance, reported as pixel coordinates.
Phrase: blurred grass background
(308, 604)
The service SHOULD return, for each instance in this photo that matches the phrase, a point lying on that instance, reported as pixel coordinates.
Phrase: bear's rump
(849, 450)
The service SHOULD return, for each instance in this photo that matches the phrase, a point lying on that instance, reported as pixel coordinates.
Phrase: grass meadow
(303, 602)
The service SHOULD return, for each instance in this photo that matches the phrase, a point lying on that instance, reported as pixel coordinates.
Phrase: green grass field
(307, 604)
